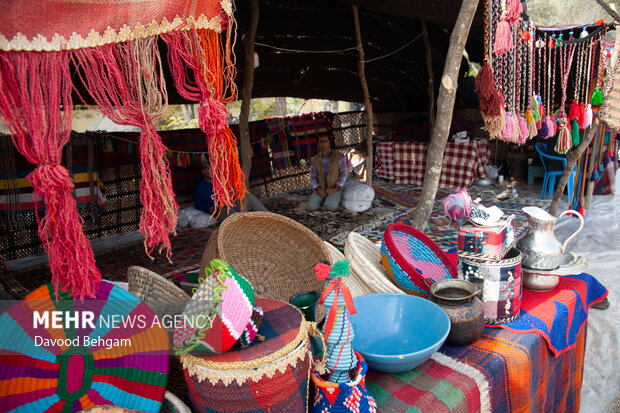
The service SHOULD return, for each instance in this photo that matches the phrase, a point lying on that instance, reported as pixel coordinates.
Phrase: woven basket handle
(313, 331)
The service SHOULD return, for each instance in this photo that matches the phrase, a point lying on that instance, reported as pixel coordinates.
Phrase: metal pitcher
(540, 248)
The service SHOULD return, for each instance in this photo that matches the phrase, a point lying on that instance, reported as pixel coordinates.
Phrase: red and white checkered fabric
(384, 160)
(462, 163)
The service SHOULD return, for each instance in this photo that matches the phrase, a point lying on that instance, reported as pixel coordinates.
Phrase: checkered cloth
(462, 163)
(384, 160)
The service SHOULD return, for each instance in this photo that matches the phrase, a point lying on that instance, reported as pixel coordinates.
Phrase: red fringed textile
(125, 82)
(36, 106)
(206, 55)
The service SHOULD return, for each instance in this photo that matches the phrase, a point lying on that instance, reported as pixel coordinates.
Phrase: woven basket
(160, 294)
(210, 253)
(413, 260)
(273, 252)
(365, 259)
(272, 375)
(353, 282)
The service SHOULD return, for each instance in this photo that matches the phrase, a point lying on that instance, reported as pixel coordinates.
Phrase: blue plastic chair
(550, 174)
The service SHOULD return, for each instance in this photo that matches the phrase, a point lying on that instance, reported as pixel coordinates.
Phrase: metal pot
(459, 299)
(539, 282)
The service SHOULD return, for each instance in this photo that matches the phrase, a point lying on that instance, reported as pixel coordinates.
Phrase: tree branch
(608, 10)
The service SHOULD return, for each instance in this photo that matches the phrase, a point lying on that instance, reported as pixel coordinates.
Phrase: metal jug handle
(578, 215)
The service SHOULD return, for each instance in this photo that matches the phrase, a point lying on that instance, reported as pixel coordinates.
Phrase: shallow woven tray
(355, 284)
(365, 259)
(273, 252)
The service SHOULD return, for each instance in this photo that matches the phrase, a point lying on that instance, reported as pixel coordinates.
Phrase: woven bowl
(273, 252)
(413, 260)
(365, 259)
(354, 282)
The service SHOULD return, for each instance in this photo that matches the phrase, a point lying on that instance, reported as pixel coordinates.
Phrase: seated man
(203, 198)
(328, 173)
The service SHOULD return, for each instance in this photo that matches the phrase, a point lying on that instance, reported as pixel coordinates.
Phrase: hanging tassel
(509, 128)
(564, 142)
(531, 124)
(582, 116)
(588, 116)
(525, 134)
(584, 34)
(544, 129)
(485, 83)
(597, 97)
(514, 8)
(535, 110)
(573, 112)
(541, 116)
(574, 132)
(503, 38)
(553, 125)
(494, 125)
(516, 128)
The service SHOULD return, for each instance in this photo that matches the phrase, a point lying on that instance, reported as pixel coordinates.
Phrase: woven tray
(413, 260)
(273, 252)
(365, 259)
(353, 282)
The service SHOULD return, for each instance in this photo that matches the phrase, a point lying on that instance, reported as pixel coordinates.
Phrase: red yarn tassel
(573, 112)
(503, 38)
(36, 106)
(582, 116)
(485, 83)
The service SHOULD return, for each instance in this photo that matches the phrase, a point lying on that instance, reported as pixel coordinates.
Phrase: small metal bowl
(484, 182)
(539, 282)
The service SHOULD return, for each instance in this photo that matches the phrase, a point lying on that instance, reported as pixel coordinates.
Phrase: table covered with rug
(405, 162)
(534, 363)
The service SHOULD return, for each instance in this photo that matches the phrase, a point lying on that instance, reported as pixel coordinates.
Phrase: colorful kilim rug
(187, 249)
(500, 372)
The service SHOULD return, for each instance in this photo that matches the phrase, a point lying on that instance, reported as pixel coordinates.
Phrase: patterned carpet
(393, 203)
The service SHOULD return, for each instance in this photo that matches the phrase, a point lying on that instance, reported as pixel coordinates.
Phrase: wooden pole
(445, 108)
(367, 103)
(431, 87)
(246, 93)
(571, 159)
(590, 186)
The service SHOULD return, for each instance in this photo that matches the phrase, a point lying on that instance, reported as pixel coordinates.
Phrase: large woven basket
(413, 260)
(269, 375)
(273, 252)
(353, 282)
(365, 259)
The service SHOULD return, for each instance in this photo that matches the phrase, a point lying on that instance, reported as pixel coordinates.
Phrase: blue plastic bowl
(397, 332)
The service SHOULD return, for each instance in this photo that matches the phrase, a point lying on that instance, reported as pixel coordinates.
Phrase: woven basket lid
(418, 260)
(282, 329)
(275, 253)
(40, 373)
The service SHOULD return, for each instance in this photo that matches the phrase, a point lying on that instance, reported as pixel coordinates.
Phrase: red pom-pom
(526, 35)
(599, 22)
(573, 112)
(581, 211)
(322, 271)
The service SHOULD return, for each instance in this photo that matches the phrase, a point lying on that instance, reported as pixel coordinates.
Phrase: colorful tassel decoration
(503, 38)
(564, 142)
(509, 128)
(494, 125)
(514, 8)
(589, 116)
(541, 116)
(516, 128)
(574, 132)
(597, 97)
(573, 112)
(535, 110)
(584, 34)
(531, 124)
(525, 134)
(582, 116)
(544, 129)
(553, 126)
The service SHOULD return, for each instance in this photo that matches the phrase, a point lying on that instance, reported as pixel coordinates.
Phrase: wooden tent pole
(367, 103)
(431, 87)
(445, 108)
(246, 93)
